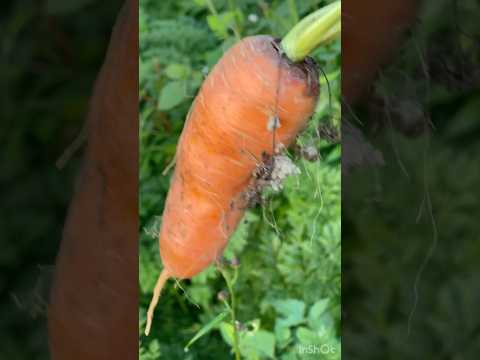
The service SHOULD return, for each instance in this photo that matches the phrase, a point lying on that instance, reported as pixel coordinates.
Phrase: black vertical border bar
(69, 180)
(99, 251)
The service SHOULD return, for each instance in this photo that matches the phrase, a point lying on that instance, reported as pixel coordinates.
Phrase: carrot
(94, 298)
(259, 95)
(371, 32)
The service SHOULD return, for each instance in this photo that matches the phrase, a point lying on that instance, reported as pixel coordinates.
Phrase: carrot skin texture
(225, 132)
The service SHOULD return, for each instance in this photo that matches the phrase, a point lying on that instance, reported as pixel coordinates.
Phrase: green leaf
(315, 319)
(177, 71)
(260, 343)
(62, 7)
(207, 328)
(201, 295)
(147, 267)
(239, 238)
(334, 155)
(220, 23)
(172, 94)
(318, 308)
(292, 311)
(212, 56)
(196, 79)
(226, 330)
(307, 336)
(282, 334)
(152, 352)
(291, 355)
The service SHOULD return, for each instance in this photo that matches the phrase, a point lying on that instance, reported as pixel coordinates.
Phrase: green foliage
(285, 294)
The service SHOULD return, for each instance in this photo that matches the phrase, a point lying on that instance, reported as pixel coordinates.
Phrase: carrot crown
(312, 31)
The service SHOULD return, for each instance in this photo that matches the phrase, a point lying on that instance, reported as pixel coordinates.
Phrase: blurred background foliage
(51, 52)
(410, 259)
(288, 286)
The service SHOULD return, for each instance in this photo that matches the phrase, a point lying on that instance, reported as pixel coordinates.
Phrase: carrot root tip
(162, 279)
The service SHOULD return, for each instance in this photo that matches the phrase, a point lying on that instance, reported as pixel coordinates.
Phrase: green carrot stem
(231, 307)
(312, 31)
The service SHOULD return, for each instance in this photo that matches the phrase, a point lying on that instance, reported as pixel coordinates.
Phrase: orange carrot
(228, 129)
(254, 97)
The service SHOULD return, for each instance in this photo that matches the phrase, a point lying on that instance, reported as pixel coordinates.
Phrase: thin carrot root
(170, 165)
(162, 279)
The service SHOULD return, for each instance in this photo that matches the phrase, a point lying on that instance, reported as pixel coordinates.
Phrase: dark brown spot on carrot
(307, 69)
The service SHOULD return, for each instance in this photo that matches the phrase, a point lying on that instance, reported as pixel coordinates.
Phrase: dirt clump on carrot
(270, 173)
